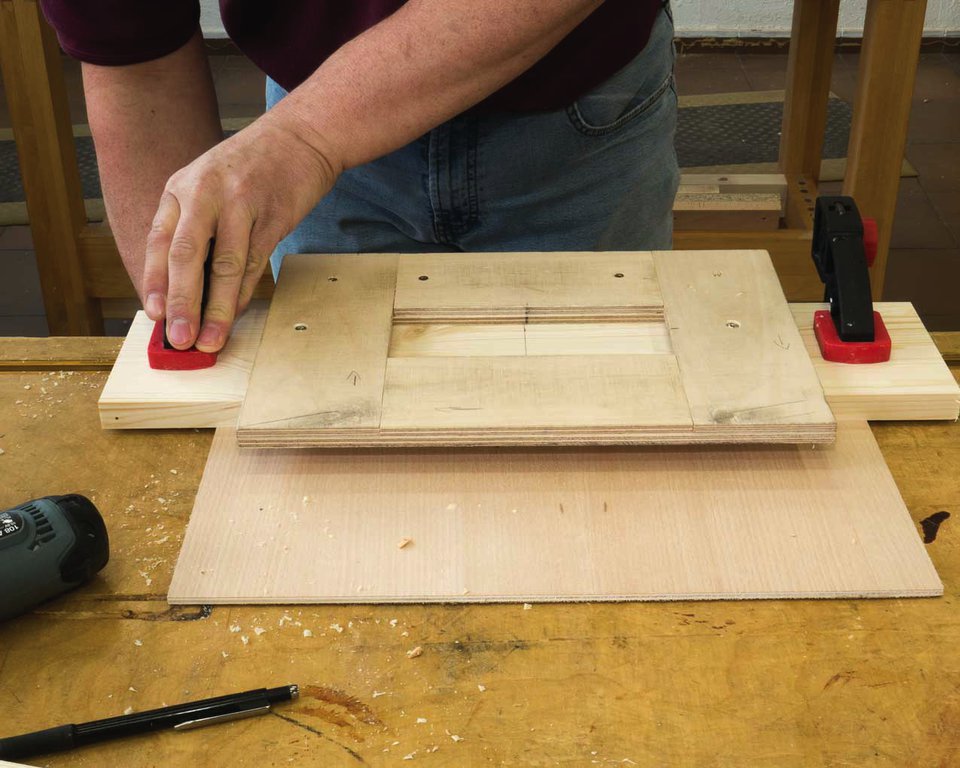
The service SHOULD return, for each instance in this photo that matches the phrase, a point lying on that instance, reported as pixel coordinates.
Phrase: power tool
(48, 546)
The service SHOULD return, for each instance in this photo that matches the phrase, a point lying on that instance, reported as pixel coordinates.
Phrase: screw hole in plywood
(618, 274)
(300, 327)
(332, 279)
(423, 277)
(733, 323)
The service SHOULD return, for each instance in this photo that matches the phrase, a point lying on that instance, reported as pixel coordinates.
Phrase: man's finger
(262, 242)
(226, 275)
(153, 285)
(188, 251)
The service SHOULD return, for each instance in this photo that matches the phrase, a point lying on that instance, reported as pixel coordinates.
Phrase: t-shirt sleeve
(118, 32)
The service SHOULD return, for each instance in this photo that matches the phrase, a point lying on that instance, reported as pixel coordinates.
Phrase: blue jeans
(599, 175)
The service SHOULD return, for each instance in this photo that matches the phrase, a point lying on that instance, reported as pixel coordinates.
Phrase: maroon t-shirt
(289, 39)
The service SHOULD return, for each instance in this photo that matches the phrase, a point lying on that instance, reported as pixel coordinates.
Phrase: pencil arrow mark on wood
(353, 377)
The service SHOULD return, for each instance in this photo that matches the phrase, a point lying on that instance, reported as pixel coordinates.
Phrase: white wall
(759, 18)
(746, 18)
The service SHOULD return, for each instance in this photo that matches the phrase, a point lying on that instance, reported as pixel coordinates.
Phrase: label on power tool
(10, 523)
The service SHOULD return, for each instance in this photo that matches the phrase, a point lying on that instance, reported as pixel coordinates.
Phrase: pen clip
(200, 722)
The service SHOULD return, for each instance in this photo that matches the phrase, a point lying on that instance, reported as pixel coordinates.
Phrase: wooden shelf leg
(36, 95)
(888, 67)
(809, 68)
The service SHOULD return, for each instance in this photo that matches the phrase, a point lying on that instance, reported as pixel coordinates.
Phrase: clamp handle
(844, 246)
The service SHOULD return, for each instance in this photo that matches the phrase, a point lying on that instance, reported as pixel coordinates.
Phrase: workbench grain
(803, 683)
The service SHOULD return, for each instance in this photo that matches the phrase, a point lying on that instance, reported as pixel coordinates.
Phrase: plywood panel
(741, 357)
(324, 350)
(527, 287)
(138, 397)
(545, 525)
(914, 383)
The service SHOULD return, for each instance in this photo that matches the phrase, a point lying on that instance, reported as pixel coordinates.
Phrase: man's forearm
(429, 61)
(148, 121)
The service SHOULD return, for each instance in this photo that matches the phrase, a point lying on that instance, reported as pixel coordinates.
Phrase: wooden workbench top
(871, 682)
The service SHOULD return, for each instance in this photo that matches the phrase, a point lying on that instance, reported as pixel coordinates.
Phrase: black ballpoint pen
(180, 717)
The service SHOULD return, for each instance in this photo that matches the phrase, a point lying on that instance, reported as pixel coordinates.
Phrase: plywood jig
(707, 352)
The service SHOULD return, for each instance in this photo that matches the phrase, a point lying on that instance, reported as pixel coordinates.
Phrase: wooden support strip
(325, 344)
(527, 287)
(740, 354)
(914, 384)
(139, 397)
(882, 396)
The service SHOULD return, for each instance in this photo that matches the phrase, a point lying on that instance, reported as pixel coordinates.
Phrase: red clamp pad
(164, 359)
(837, 351)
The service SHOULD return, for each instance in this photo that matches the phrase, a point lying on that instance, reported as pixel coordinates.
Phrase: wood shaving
(481, 687)
(307, 633)
(404, 542)
(414, 652)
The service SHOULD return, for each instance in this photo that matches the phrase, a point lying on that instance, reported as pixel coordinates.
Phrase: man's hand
(249, 192)
(427, 62)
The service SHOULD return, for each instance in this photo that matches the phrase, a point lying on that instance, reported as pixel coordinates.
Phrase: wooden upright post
(808, 86)
(33, 79)
(805, 106)
(888, 67)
